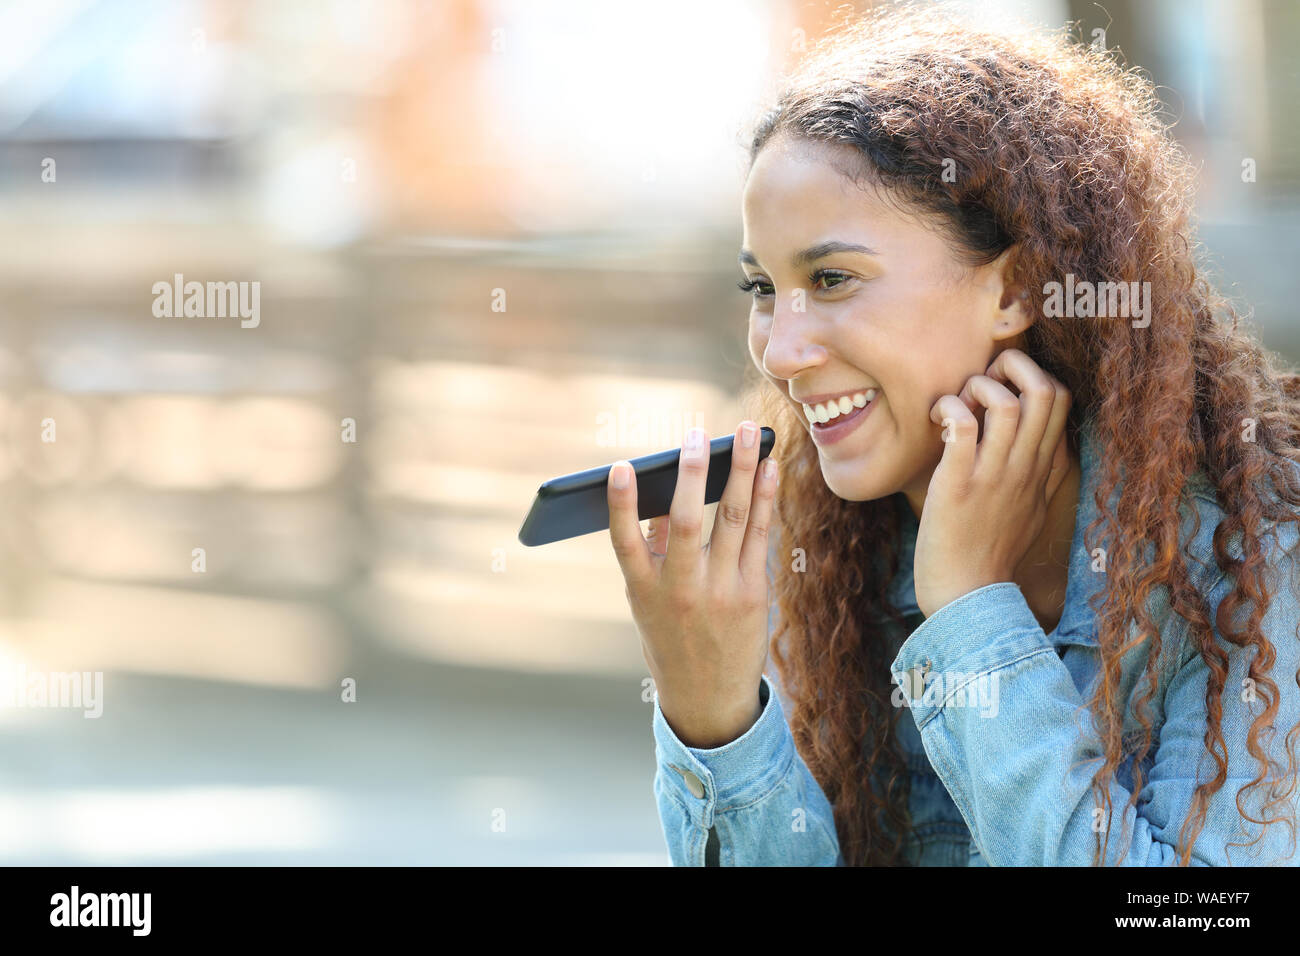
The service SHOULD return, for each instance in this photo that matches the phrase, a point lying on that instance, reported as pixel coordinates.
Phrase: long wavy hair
(1057, 147)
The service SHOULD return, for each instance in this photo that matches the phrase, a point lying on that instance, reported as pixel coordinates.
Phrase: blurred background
(495, 242)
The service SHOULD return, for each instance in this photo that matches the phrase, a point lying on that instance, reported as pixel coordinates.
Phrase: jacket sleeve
(751, 802)
(1021, 776)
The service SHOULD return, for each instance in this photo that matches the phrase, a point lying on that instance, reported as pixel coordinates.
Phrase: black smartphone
(577, 504)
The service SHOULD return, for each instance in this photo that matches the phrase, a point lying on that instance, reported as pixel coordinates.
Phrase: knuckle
(682, 599)
(966, 427)
(636, 588)
(687, 524)
(733, 515)
(1042, 391)
(694, 465)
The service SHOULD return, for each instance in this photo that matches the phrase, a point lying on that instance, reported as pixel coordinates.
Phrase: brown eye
(754, 287)
(839, 277)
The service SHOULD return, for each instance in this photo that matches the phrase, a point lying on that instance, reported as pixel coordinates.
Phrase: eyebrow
(820, 251)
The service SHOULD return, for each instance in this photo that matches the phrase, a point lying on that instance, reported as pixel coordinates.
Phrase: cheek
(911, 399)
(759, 333)
(916, 366)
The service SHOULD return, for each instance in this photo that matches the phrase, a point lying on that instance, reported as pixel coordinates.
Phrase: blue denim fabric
(1011, 785)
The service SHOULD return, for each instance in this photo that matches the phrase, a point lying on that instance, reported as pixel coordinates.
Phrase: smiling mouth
(838, 420)
(837, 410)
(834, 430)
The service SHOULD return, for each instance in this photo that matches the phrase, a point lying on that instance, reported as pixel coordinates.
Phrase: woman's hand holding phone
(701, 607)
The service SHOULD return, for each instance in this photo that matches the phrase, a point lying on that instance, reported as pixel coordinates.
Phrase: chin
(851, 484)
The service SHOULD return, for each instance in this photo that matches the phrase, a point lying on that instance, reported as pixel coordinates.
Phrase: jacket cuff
(708, 781)
(944, 660)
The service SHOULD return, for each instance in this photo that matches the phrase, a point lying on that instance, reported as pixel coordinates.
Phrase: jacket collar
(1082, 583)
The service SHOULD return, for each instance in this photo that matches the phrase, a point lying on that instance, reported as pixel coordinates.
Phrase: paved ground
(418, 771)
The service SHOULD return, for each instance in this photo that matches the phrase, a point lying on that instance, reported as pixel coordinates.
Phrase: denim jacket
(1000, 745)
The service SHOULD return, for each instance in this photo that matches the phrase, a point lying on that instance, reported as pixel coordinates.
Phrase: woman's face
(902, 315)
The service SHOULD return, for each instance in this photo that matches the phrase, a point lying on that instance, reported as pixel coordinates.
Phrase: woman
(1040, 492)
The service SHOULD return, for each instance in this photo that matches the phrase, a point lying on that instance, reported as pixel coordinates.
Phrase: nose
(792, 344)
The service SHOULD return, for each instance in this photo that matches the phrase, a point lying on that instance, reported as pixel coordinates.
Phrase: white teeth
(824, 412)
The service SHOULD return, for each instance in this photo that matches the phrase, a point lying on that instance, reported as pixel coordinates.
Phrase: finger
(625, 528)
(686, 513)
(732, 516)
(1054, 451)
(959, 433)
(1038, 395)
(1058, 468)
(753, 553)
(1001, 419)
(657, 535)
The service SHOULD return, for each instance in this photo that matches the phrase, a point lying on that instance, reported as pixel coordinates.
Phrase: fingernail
(622, 470)
(769, 468)
(694, 441)
(747, 433)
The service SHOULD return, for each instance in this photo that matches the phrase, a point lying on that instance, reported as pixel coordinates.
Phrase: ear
(1012, 316)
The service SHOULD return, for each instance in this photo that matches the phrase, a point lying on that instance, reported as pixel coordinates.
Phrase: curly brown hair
(1061, 149)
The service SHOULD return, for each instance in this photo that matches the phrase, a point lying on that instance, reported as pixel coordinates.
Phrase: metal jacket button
(693, 783)
(914, 681)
